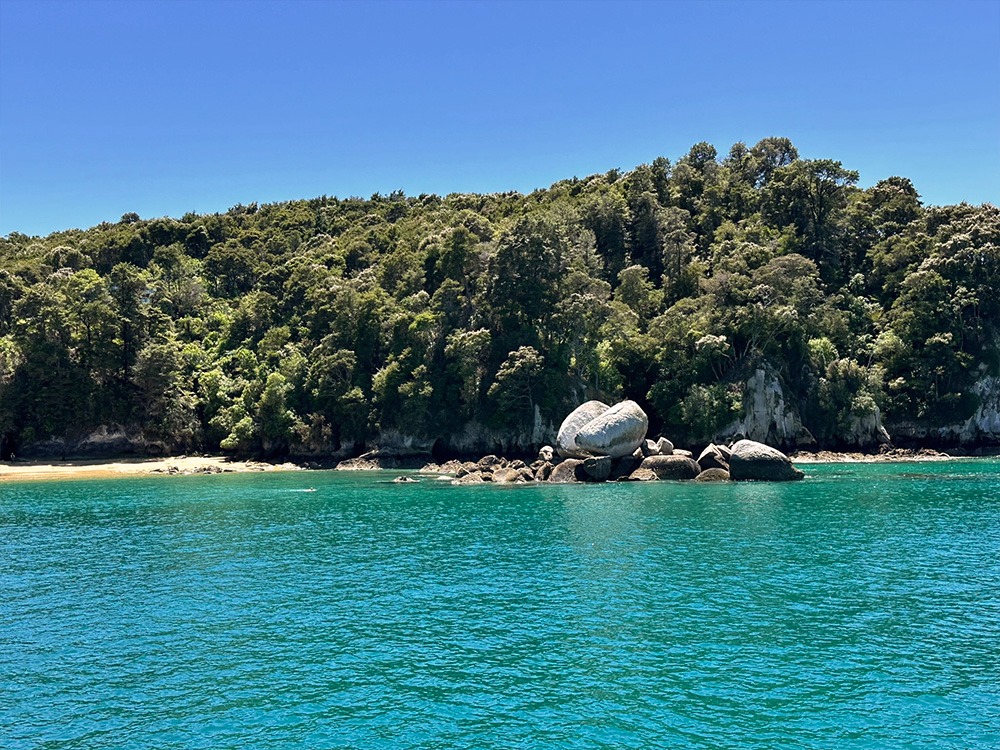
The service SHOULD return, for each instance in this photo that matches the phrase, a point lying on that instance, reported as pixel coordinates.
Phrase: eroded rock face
(753, 460)
(617, 432)
(672, 467)
(566, 445)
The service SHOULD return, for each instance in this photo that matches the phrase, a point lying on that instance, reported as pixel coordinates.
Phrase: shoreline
(106, 468)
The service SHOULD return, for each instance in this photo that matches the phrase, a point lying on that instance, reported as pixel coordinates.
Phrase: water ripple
(860, 608)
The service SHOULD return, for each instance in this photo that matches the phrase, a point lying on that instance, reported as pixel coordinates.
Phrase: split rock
(566, 445)
(617, 432)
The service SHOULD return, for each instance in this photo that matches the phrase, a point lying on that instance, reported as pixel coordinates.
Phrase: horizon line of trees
(312, 326)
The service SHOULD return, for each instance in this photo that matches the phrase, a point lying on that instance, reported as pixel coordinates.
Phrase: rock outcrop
(753, 460)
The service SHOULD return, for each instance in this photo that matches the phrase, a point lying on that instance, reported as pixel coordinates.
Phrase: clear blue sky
(167, 107)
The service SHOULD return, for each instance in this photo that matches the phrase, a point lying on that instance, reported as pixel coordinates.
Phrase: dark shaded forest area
(317, 327)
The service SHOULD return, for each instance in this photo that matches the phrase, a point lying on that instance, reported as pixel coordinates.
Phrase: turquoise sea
(857, 609)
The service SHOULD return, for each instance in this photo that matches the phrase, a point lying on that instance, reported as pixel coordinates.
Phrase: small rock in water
(473, 477)
(713, 475)
(565, 471)
(507, 476)
(712, 458)
(642, 475)
(672, 467)
(753, 460)
(597, 469)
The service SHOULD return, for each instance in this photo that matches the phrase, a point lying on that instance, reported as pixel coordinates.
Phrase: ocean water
(857, 609)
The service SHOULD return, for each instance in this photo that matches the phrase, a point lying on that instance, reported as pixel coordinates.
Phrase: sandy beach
(106, 468)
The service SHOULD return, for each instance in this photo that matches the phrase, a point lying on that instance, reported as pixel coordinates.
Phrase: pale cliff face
(984, 424)
(767, 417)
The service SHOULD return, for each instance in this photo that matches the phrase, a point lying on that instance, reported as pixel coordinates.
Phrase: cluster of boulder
(599, 443)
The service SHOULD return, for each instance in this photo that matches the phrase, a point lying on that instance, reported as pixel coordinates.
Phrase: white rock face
(616, 433)
(868, 431)
(984, 424)
(566, 445)
(767, 417)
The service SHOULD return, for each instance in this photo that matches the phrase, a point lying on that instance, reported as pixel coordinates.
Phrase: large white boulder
(617, 432)
(566, 445)
(753, 460)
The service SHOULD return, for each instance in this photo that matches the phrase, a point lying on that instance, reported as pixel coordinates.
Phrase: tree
(811, 196)
(514, 387)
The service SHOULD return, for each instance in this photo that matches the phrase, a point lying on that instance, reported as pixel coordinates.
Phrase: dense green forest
(323, 325)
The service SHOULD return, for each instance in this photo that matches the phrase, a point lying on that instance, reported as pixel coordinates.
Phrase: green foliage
(311, 325)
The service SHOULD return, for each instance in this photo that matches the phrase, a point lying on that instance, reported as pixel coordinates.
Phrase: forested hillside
(326, 325)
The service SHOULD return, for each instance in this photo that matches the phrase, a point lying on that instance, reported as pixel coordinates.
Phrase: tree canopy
(313, 326)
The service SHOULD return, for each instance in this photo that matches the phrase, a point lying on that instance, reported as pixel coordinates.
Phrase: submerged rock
(753, 460)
